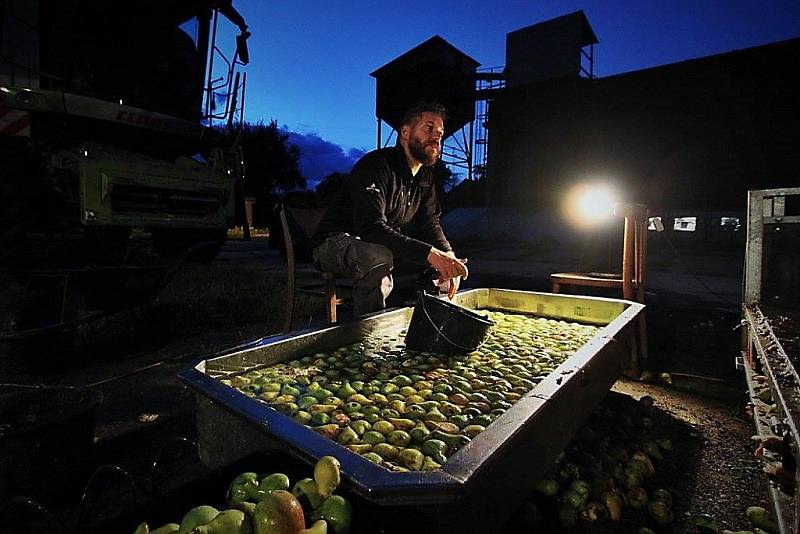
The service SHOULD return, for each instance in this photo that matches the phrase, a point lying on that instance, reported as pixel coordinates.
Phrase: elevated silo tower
(432, 71)
(555, 48)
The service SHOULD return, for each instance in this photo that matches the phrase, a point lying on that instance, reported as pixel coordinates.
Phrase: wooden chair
(631, 280)
(634, 248)
(305, 221)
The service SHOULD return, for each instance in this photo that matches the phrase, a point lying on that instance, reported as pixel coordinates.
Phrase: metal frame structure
(764, 207)
(457, 152)
(763, 354)
(467, 148)
(588, 70)
(233, 82)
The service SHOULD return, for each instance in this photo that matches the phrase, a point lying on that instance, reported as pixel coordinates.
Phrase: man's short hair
(413, 113)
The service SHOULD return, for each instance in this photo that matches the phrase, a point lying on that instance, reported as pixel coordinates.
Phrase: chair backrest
(298, 225)
(634, 251)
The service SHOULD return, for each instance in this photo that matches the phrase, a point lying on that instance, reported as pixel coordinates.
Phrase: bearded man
(362, 233)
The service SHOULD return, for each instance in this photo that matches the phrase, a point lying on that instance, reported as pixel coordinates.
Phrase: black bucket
(438, 325)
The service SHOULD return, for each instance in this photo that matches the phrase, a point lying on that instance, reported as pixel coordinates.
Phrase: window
(685, 224)
(655, 224)
(730, 224)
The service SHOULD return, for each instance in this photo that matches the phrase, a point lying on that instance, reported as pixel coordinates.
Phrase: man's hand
(451, 286)
(449, 267)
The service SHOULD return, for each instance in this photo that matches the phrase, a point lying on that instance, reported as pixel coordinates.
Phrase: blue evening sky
(311, 59)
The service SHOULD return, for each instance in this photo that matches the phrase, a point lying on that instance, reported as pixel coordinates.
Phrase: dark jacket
(380, 198)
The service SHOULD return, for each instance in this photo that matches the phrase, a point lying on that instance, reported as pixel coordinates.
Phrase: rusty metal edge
(761, 335)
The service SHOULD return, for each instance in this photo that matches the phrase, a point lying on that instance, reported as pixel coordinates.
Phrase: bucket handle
(438, 330)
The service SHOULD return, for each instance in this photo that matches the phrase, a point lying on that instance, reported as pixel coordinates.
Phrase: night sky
(311, 59)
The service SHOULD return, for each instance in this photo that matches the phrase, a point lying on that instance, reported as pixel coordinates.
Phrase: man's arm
(428, 219)
(441, 257)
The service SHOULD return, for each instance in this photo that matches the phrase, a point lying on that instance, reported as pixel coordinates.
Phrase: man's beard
(417, 149)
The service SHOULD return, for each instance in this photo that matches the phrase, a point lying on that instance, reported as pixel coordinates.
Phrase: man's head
(421, 132)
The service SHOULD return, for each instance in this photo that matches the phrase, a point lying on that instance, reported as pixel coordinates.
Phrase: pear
(419, 433)
(453, 441)
(386, 451)
(360, 426)
(435, 415)
(660, 511)
(399, 438)
(402, 424)
(330, 431)
(279, 512)
(320, 527)
(446, 427)
(412, 459)
(346, 391)
(641, 461)
(347, 436)
(306, 489)
(327, 475)
(227, 522)
(473, 430)
(142, 529)
(242, 488)
(614, 502)
(197, 516)
(760, 518)
(637, 497)
(430, 465)
(663, 496)
(594, 512)
(652, 450)
(275, 481)
(169, 528)
(337, 512)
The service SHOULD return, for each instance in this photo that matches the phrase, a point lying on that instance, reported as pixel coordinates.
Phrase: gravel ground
(712, 470)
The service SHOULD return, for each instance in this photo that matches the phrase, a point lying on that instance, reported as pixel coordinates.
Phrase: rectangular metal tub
(492, 474)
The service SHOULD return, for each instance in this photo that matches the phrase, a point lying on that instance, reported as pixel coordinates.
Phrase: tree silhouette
(271, 161)
(329, 186)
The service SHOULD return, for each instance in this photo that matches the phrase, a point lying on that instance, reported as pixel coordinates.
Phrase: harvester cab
(114, 117)
(107, 113)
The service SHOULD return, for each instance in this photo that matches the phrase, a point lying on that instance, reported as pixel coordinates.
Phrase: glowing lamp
(590, 204)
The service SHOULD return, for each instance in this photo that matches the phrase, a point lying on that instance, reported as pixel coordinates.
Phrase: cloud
(320, 157)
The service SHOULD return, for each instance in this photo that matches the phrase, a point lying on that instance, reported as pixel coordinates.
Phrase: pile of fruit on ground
(604, 478)
(269, 504)
(626, 472)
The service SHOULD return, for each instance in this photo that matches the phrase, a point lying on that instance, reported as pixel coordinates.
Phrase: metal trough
(481, 485)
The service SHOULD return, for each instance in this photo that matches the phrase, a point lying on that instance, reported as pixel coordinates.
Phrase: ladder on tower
(488, 81)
